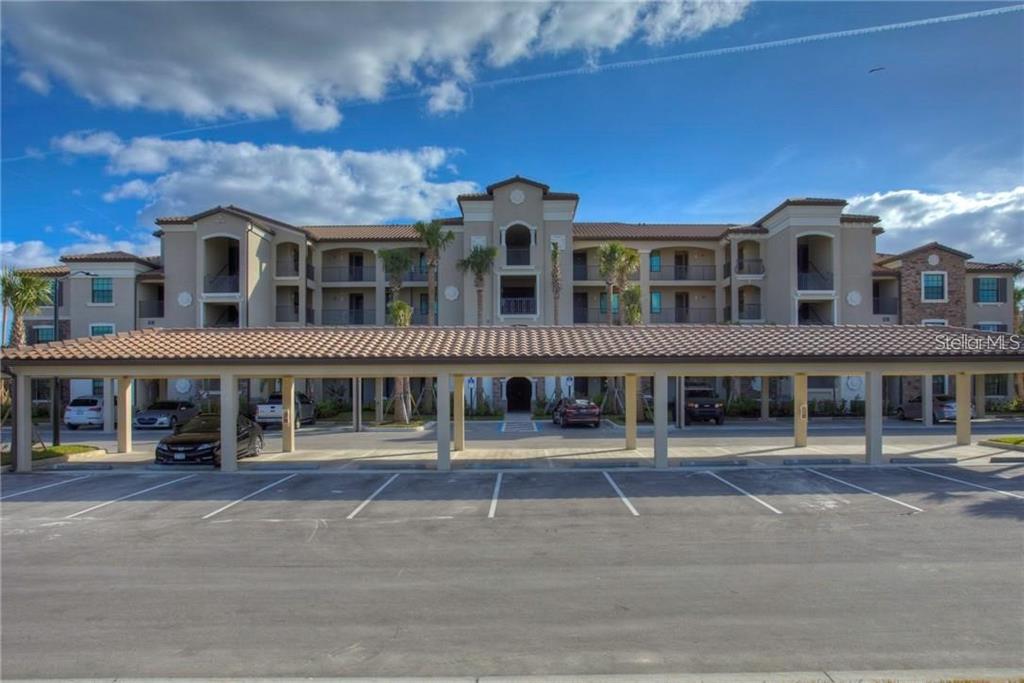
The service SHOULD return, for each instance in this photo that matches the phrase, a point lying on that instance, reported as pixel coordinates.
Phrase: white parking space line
(494, 498)
(372, 496)
(744, 492)
(245, 498)
(40, 488)
(130, 495)
(967, 483)
(861, 488)
(622, 496)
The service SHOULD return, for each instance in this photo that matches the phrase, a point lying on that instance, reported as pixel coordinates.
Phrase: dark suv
(702, 404)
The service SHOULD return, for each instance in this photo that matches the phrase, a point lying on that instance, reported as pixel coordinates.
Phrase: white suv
(84, 411)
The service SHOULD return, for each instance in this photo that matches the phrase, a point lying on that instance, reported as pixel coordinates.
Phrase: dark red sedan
(575, 411)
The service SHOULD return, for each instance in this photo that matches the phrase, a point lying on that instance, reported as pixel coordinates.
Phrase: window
(934, 322)
(102, 290)
(655, 302)
(100, 328)
(43, 333)
(604, 303)
(933, 286)
(940, 385)
(97, 387)
(989, 290)
(655, 261)
(996, 385)
(424, 304)
(992, 327)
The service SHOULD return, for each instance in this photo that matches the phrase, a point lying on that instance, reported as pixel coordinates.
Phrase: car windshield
(202, 425)
(582, 402)
(274, 400)
(700, 393)
(79, 402)
(943, 397)
(163, 405)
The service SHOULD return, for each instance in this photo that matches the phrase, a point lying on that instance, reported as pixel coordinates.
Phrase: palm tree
(480, 262)
(630, 306)
(616, 263)
(396, 263)
(28, 294)
(435, 239)
(8, 284)
(556, 280)
(401, 316)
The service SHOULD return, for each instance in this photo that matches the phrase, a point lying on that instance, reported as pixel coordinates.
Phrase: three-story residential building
(805, 262)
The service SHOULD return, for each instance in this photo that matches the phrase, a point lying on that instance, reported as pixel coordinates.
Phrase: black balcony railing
(674, 272)
(287, 268)
(593, 272)
(339, 316)
(750, 311)
(416, 275)
(517, 256)
(287, 314)
(810, 316)
(683, 315)
(813, 279)
(518, 306)
(221, 284)
(348, 273)
(885, 305)
(750, 266)
(151, 309)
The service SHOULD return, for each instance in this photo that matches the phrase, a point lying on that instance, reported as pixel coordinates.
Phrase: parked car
(702, 404)
(84, 411)
(575, 411)
(197, 441)
(268, 413)
(943, 408)
(165, 415)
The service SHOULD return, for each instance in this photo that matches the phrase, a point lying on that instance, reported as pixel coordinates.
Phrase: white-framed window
(934, 322)
(42, 333)
(997, 385)
(992, 327)
(101, 328)
(934, 286)
(102, 290)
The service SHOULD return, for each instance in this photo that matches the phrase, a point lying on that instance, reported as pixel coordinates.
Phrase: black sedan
(197, 442)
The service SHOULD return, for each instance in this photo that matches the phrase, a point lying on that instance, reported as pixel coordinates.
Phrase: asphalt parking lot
(622, 570)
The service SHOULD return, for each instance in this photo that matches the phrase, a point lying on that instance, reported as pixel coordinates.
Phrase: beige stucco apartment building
(805, 262)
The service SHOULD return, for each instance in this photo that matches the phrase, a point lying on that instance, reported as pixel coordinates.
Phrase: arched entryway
(518, 392)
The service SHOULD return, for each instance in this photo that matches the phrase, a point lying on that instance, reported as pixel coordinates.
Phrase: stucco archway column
(631, 412)
(444, 427)
(927, 410)
(357, 404)
(108, 404)
(800, 414)
(23, 423)
(873, 418)
(288, 415)
(963, 409)
(124, 414)
(229, 423)
(661, 418)
(459, 406)
(979, 395)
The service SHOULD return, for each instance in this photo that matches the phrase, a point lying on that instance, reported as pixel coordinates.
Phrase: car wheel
(257, 448)
(172, 423)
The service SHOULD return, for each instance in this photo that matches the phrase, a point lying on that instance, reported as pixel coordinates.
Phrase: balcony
(593, 272)
(287, 268)
(750, 266)
(310, 316)
(287, 314)
(416, 275)
(590, 316)
(220, 284)
(814, 280)
(684, 315)
(310, 272)
(349, 273)
(681, 272)
(885, 305)
(340, 316)
(517, 256)
(519, 306)
(750, 312)
(151, 309)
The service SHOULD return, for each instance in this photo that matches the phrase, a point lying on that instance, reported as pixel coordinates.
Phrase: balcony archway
(518, 240)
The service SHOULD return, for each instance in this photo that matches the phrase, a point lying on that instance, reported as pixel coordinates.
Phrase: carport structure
(451, 354)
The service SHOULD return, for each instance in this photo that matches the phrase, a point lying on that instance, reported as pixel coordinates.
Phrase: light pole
(55, 383)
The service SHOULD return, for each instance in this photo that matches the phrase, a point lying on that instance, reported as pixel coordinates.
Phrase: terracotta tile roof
(924, 247)
(977, 267)
(749, 229)
(460, 345)
(885, 272)
(106, 257)
(648, 231)
(858, 218)
(46, 271)
(265, 222)
(152, 276)
(518, 179)
(801, 201)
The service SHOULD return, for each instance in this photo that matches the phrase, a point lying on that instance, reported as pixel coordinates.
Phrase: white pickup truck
(268, 413)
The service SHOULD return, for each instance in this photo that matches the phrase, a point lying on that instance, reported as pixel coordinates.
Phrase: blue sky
(933, 142)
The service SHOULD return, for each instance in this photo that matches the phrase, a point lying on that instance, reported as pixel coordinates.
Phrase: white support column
(124, 414)
(680, 402)
(661, 418)
(380, 290)
(963, 409)
(229, 423)
(873, 418)
(378, 398)
(630, 412)
(927, 410)
(444, 428)
(108, 404)
(288, 415)
(459, 406)
(23, 423)
(766, 398)
(357, 404)
(979, 395)
(800, 410)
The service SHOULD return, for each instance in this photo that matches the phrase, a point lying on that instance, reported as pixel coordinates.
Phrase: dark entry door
(355, 309)
(579, 307)
(355, 266)
(518, 392)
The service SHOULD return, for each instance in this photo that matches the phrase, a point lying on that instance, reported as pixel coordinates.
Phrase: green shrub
(329, 408)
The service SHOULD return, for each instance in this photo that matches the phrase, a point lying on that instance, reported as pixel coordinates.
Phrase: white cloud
(446, 98)
(301, 185)
(989, 225)
(218, 59)
(33, 253)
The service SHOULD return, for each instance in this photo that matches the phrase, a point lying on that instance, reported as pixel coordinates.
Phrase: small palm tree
(630, 305)
(480, 262)
(396, 263)
(556, 278)
(28, 294)
(435, 240)
(616, 263)
(8, 284)
(401, 316)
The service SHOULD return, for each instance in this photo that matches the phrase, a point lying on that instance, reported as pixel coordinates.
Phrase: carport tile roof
(379, 345)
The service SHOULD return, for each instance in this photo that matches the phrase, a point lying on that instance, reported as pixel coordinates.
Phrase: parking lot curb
(816, 461)
(923, 461)
(1006, 458)
(714, 463)
(71, 466)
